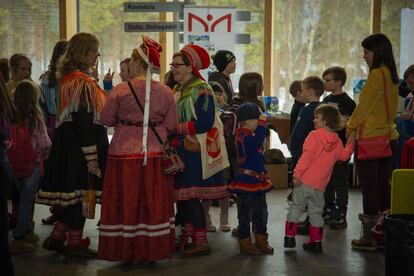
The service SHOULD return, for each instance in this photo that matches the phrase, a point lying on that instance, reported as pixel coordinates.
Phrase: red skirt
(137, 213)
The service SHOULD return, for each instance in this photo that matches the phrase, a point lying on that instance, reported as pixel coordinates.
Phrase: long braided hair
(58, 51)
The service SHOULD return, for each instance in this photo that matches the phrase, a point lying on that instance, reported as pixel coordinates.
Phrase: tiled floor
(338, 258)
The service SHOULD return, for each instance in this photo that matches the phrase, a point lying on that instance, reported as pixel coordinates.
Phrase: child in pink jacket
(321, 150)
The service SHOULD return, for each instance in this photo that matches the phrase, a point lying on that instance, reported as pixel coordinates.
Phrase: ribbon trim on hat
(146, 106)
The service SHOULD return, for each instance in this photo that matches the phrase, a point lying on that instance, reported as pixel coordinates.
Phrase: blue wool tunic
(253, 177)
(189, 184)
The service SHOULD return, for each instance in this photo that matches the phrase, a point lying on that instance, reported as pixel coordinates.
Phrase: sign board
(212, 28)
(153, 7)
(153, 27)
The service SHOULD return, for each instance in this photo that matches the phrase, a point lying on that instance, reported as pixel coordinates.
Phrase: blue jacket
(304, 125)
(253, 177)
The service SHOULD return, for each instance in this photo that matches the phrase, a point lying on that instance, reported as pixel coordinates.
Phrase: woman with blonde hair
(29, 135)
(80, 144)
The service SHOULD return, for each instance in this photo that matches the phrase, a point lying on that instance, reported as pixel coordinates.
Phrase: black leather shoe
(314, 247)
(53, 245)
(50, 220)
(81, 252)
(290, 242)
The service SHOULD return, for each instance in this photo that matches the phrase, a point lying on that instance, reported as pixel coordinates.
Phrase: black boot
(314, 244)
(53, 245)
(328, 214)
(290, 242)
(339, 219)
(314, 247)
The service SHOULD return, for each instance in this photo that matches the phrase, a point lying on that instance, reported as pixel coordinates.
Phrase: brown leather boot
(248, 247)
(200, 249)
(366, 241)
(263, 244)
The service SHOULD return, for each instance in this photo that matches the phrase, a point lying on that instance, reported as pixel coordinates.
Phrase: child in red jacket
(321, 150)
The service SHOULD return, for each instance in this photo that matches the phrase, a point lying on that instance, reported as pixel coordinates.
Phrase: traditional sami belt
(136, 124)
(253, 173)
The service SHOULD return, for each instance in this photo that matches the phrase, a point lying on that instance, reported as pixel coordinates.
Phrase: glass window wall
(31, 28)
(105, 19)
(311, 36)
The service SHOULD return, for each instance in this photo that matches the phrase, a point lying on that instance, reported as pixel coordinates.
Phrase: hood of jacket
(328, 139)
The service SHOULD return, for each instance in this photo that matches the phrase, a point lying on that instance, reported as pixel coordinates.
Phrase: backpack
(274, 156)
(22, 155)
(229, 119)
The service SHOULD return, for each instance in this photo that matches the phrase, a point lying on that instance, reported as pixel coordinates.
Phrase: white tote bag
(213, 149)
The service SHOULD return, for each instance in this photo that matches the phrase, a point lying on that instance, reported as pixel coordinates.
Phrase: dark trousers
(336, 193)
(6, 264)
(252, 205)
(72, 216)
(191, 211)
(374, 177)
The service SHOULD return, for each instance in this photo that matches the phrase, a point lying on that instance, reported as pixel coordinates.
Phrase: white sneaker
(225, 228)
(211, 228)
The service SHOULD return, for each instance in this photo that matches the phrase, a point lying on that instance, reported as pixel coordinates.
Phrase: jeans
(27, 188)
(5, 184)
(254, 204)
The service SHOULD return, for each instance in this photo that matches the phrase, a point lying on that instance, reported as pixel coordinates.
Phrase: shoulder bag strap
(386, 104)
(142, 110)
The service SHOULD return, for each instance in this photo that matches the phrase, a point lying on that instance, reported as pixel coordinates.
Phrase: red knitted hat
(198, 56)
(152, 50)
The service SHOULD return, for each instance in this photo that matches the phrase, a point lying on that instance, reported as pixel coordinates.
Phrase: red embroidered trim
(191, 128)
(201, 193)
(134, 156)
(248, 187)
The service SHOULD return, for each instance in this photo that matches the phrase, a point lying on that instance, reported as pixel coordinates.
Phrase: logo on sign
(192, 17)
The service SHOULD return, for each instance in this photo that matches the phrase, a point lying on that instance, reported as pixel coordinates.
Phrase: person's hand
(351, 138)
(94, 71)
(347, 132)
(406, 116)
(109, 76)
(93, 167)
(296, 181)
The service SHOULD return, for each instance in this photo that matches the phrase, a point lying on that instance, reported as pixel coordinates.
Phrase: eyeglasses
(176, 65)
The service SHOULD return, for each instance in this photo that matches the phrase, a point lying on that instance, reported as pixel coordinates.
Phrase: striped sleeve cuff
(186, 128)
(90, 153)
